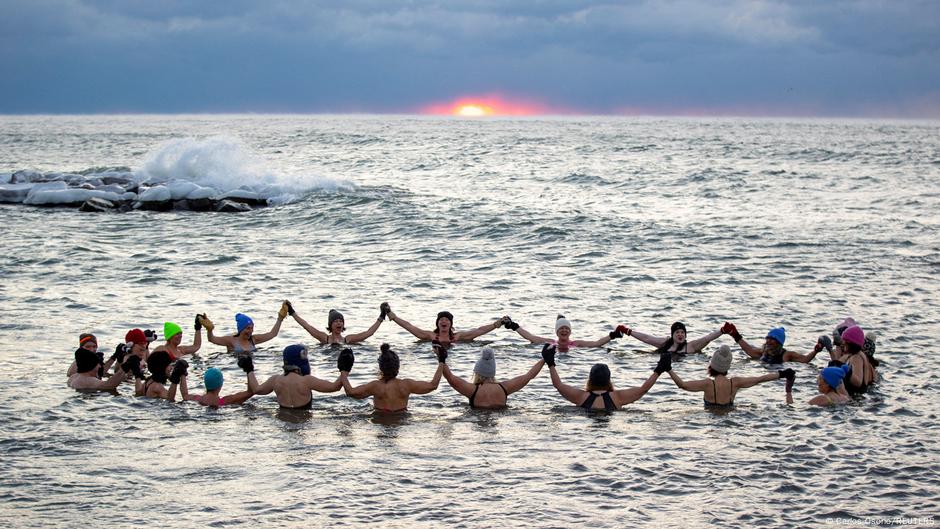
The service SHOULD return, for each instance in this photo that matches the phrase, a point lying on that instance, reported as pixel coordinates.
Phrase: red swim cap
(135, 336)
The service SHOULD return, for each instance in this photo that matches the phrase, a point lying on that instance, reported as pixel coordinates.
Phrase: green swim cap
(170, 330)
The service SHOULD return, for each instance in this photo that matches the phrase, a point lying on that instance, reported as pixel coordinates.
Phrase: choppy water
(635, 221)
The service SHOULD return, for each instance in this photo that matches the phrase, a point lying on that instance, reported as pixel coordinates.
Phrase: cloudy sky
(868, 58)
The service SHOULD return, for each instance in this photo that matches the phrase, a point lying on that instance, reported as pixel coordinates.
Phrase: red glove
(624, 329)
(728, 328)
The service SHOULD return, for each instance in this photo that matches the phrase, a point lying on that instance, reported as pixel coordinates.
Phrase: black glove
(736, 335)
(664, 364)
(197, 324)
(788, 374)
(246, 363)
(119, 353)
(440, 351)
(151, 335)
(290, 308)
(132, 365)
(511, 325)
(345, 360)
(179, 371)
(615, 334)
(100, 356)
(826, 342)
(548, 354)
(384, 309)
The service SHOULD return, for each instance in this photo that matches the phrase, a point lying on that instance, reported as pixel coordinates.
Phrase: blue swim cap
(779, 334)
(212, 378)
(834, 375)
(242, 321)
(295, 356)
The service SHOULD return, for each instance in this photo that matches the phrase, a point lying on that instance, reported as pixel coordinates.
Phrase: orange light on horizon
(472, 107)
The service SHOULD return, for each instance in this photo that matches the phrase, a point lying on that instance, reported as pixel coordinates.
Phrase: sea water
(639, 221)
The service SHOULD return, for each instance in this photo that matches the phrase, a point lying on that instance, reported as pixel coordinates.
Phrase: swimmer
(830, 384)
(719, 389)
(163, 370)
(294, 389)
(244, 341)
(772, 352)
(599, 385)
(390, 393)
(86, 373)
(486, 391)
(212, 378)
(444, 328)
(173, 334)
(563, 333)
(676, 342)
(336, 325)
(88, 342)
(863, 373)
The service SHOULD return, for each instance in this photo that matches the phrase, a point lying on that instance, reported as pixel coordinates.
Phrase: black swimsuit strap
(608, 401)
(503, 388)
(589, 401)
(474, 395)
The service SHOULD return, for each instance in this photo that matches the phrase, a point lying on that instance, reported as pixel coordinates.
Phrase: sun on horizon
(485, 106)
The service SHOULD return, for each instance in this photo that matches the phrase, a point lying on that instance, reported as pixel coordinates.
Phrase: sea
(640, 221)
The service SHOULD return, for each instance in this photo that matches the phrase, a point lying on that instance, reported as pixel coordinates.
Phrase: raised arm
(197, 341)
(237, 398)
(746, 382)
(753, 352)
(359, 392)
(594, 343)
(791, 356)
(225, 341)
(114, 380)
(515, 384)
(571, 393)
(260, 389)
(699, 344)
(261, 338)
(626, 396)
(321, 336)
(531, 337)
(691, 385)
(460, 385)
(358, 337)
(323, 386)
(479, 331)
(420, 334)
(419, 387)
(646, 338)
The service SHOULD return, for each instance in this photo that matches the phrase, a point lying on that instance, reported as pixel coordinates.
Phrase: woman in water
(244, 341)
(294, 389)
(563, 333)
(830, 382)
(336, 325)
(676, 341)
(863, 372)
(173, 334)
(444, 328)
(719, 389)
(85, 377)
(390, 393)
(213, 381)
(486, 391)
(599, 385)
(772, 352)
(163, 370)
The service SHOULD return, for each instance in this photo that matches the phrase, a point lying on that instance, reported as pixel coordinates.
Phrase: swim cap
(840, 328)
(486, 365)
(600, 376)
(854, 335)
(135, 336)
(85, 360)
(444, 314)
(295, 359)
(869, 347)
(84, 338)
(334, 315)
(721, 360)
(675, 327)
(212, 379)
(242, 321)
(388, 362)
(833, 376)
(170, 330)
(561, 321)
(157, 364)
(779, 334)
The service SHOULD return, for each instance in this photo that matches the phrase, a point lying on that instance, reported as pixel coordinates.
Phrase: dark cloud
(839, 57)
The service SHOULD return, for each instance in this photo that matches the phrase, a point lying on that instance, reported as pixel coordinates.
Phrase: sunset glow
(473, 107)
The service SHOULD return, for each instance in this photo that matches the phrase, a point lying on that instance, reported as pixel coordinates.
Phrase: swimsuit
(773, 359)
(237, 348)
(588, 403)
(715, 404)
(478, 389)
(307, 406)
(851, 388)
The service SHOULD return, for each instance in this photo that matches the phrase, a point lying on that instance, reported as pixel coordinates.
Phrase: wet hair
(713, 373)
(480, 379)
(157, 364)
(388, 362)
(437, 323)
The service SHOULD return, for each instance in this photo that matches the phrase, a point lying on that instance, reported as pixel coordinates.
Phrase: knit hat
(135, 336)
(721, 360)
(295, 358)
(333, 316)
(444, 314)
(242, 321)
(85, 360)
(854, 334)
(833, 376)
(170, 330)
(85, 338)
(486, 365)
(600, 376)
(779, 334)
(675, 327)
(561, 321)
(212, 379)
(157, 364)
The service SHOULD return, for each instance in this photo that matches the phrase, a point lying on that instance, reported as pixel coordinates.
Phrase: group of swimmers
(851, 370)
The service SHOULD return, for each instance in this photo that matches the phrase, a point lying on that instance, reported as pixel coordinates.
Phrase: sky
(864, 58)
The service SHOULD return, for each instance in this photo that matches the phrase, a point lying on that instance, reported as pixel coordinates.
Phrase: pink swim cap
(854, 335)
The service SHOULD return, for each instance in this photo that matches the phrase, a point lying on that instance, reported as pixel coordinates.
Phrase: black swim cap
(444, 314)
(676, 326)
(85, 360)
(157, 364)
(600, 376)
